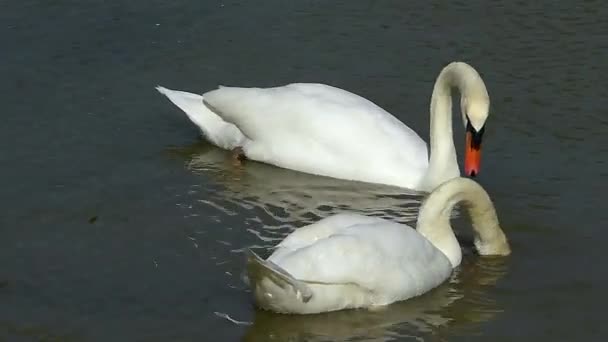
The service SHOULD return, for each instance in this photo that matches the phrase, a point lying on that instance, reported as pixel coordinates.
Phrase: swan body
(355, 261)
(324, 130)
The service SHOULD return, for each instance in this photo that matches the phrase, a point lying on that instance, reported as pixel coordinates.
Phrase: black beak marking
(476, 135)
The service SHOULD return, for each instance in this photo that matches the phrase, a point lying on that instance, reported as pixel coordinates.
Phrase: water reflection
(457, 306)
(270, 202)
(277, 200)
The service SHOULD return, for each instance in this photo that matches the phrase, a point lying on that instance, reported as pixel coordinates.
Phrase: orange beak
(472, 152)
(472, 157)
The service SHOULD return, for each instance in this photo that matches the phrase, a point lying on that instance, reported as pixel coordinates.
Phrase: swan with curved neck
(354, 261)
(474, 107)
(328, 131)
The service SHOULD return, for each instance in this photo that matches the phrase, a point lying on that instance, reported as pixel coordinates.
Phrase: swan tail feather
(213, 127)
(273, 286)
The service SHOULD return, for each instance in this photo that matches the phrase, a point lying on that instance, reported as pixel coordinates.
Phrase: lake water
(119, 224)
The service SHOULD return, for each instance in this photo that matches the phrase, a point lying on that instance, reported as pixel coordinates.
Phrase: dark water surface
(118, 224)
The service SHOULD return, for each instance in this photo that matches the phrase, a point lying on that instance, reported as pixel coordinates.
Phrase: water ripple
(271, 202)
(268, 203)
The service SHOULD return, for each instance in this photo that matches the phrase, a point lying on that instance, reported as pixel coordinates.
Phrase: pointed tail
(213, 127)
(273, 287)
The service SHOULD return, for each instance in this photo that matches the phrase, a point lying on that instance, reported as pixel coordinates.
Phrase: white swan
(355, 261)
(323, 130)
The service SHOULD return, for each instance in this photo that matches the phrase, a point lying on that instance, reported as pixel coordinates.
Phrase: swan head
(475, 111)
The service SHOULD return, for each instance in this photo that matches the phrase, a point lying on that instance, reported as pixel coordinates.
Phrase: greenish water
(119, 224)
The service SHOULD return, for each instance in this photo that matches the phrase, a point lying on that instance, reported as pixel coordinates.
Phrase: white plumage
(355, 261)
(323, 130)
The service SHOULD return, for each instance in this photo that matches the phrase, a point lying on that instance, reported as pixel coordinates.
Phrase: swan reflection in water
(276, 201)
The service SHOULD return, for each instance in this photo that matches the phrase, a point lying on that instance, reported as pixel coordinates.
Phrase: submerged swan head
(434, 219)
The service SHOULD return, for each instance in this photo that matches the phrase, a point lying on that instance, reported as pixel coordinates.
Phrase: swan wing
(323, 130)
(305, 236)
(390, 260)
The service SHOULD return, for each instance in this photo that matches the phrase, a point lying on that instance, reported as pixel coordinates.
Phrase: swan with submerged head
(328, 131)
(354, 261)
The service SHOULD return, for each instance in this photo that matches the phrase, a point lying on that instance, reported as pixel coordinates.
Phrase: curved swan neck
(434, 219)
(442, 159)
(462, 76)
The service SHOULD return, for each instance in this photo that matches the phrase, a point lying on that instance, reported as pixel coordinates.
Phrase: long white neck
(442, 160)
(434, 219)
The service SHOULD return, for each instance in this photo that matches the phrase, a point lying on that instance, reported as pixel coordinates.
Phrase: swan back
(323, 130)
(350, 261)
(365, 253)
